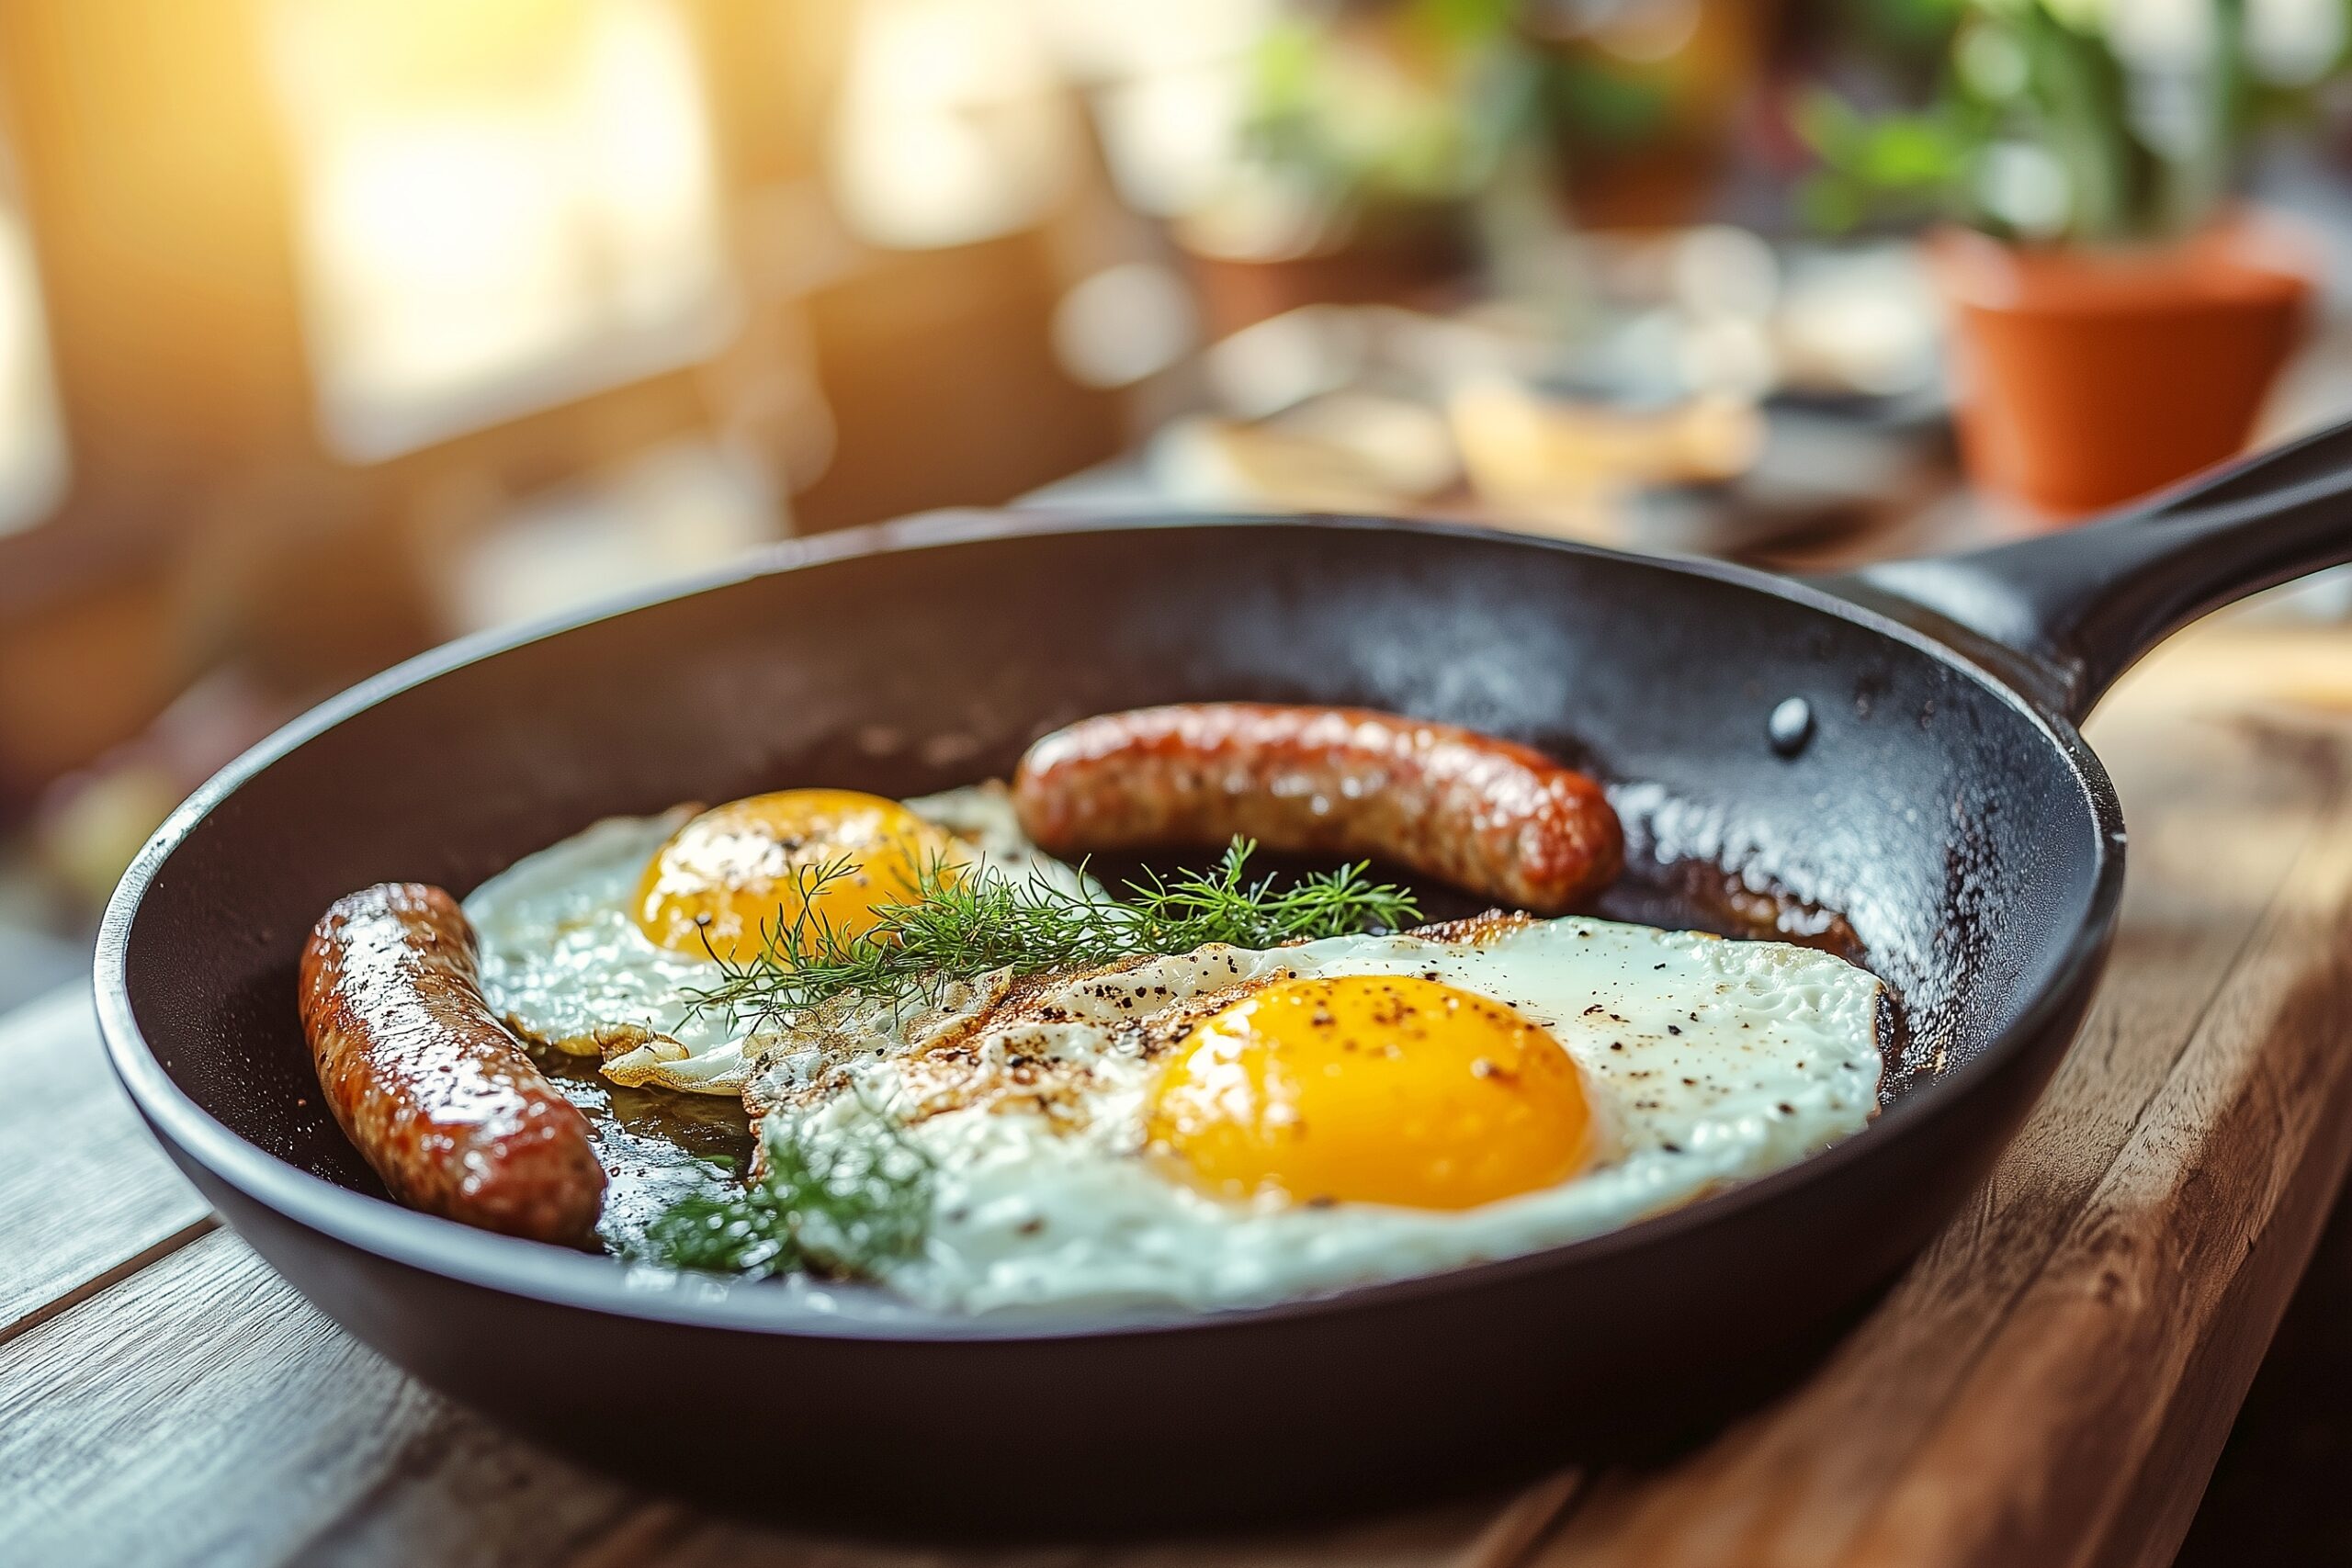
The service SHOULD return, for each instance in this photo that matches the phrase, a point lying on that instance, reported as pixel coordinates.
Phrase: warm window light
(500, 205)
(948, 130)
(1169, 86)
(32, 446)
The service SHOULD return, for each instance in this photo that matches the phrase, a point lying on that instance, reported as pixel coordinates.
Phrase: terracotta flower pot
(2086, 375)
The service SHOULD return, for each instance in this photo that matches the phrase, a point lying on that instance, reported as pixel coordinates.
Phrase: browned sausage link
(432, 1089)
(1491, 815)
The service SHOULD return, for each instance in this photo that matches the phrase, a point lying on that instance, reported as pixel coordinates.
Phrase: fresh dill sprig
(960, 927)
(842, 1211)
(846, 1209)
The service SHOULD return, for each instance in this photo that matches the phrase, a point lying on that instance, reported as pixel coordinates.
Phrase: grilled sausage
(1490, 816)
(435, 1092)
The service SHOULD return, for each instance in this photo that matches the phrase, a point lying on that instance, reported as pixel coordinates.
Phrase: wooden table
(2048, 1384)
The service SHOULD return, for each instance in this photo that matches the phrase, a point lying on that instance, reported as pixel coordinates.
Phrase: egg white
(564, 962)
(1707, 1063)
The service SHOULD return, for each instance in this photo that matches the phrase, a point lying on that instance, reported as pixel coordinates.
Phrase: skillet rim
(561, 1278)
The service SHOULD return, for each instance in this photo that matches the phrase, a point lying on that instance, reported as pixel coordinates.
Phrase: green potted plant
(1371, 129)
(2118, 317)
(1646, 101)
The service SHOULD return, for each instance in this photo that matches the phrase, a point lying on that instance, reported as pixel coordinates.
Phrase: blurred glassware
(1285, 359)
(1695, 389)
(1571, 461)
(1858, 321)
(1349, 452)
(1125, 324)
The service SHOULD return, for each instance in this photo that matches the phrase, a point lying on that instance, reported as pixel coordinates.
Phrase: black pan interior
(1927, 807)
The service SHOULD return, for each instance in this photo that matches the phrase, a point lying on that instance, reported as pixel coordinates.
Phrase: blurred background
(331, 329)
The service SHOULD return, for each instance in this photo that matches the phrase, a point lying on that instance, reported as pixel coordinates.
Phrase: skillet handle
(2064, 613)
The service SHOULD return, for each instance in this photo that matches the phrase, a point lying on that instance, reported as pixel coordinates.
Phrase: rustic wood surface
(2049, 1386)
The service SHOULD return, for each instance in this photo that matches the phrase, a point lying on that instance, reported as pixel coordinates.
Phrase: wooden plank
(202, 1412)
(84, 1193)
(1482, 1532)
(1477, 1534)
(2239, 1150)
(2054, 1379)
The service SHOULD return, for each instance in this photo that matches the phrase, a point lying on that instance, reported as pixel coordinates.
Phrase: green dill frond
(960, 926)
(848, 1209)
(841, 1212)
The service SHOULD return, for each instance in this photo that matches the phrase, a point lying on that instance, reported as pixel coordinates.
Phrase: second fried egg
(1231, 1127)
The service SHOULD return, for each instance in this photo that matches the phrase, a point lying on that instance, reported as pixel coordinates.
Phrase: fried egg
(597, 945)
(1222, 1128)
(1233, 1127)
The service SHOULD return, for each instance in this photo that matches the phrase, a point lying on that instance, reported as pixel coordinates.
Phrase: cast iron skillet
(1942, 799)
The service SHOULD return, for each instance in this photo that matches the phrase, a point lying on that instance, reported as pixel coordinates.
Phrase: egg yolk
(1372, 1089)
(741, 870)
